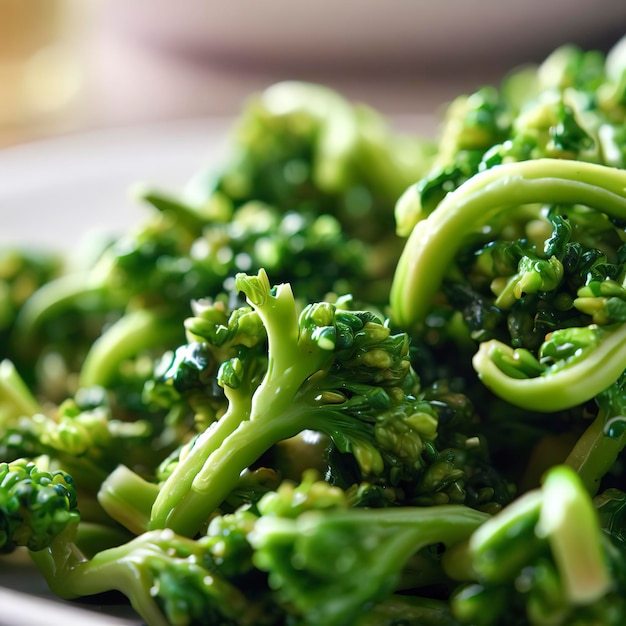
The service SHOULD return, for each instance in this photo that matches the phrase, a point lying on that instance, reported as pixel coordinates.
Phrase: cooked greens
(350, 378)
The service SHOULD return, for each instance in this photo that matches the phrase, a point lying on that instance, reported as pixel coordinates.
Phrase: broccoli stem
(569, 521)
(184, 214)
(595, 453)
(434, 241)
(16, 399)
(252, 423)
(137, 330)
(128, 498)
(408, 610)
(500, 547)
(556, 389)
(413, 528)
(333, 547)
(201, 481)
(71, 575)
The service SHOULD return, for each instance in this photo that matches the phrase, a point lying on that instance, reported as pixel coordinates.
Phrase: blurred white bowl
(418, 33)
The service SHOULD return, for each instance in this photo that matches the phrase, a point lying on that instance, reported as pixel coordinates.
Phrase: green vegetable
(427, 431)
(545, 554)
(434, 241)
(338, 372)
(323, 554)
(35, 505)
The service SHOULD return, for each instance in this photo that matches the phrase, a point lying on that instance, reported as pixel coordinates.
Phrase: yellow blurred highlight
(41, 66)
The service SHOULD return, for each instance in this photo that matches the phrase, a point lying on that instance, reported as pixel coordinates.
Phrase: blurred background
(75, 65)
(97, 95)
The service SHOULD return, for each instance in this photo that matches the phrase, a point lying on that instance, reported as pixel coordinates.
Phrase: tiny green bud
(325, 337)
(230, 373)
(378, 358)
(256, 288)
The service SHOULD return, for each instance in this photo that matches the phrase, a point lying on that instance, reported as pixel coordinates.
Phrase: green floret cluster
(350, 377)
(36, 505)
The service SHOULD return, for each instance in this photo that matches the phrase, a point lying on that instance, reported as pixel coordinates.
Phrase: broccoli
(482, 199)
(221, 577)
(305, 228)
(168, 579)
(313, 545)
(514, 373)
(545, 556)
(326, 369)
(302, 147)
(78, 437)
(441, 446)
(35, 505)
(353, 386)
(567, 108)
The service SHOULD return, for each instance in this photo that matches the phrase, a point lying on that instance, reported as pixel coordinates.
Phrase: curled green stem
(434, 241)
(556, 389)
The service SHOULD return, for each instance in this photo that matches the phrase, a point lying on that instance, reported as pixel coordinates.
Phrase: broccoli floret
(313, 553)
(185, 381)
(338, 372)
(567, 108)
(78, 437)
(35, 505)
(353, 386)
(302, 147)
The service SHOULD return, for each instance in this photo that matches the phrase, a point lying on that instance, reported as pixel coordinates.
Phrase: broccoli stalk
(336, 372)
(434, 241)
(597, 450)
(576, 547)
(168, 579)
(16, 399)
(322, 555)
(137, 330)
(408, 611)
